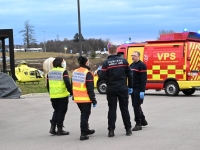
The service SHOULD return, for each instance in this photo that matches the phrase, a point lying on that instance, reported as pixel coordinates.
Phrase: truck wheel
(101, 87)
(188, 91)
(171, 88)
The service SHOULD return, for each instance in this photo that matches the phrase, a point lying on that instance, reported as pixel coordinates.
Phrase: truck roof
(177, 37)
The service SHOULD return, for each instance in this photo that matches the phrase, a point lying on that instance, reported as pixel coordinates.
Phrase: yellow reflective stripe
(82, 85)
(86, 71)
(171, 76)
(179, 71)
(173, 67)
(79, 89)
(163, 71)
(81, 98)
(156, 76)
(156, 67)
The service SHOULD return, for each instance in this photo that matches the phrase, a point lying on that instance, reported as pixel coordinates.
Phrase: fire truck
(173, 62)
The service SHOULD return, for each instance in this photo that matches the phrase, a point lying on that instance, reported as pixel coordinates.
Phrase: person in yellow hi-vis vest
(59, 88)
(83, 94)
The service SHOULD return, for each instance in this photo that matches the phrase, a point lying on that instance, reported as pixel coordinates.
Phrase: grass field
(29, 87)
(37, 55)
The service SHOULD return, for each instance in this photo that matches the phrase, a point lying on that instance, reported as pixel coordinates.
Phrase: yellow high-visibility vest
(57, 87)
(79, 86)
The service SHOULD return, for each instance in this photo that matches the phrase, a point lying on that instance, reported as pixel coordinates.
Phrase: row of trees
(88, 45)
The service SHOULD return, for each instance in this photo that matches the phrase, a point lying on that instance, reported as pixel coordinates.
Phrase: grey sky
(116, 20)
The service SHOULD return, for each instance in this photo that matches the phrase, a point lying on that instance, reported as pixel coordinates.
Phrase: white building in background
(19, 50)
(97, 52)
(33, 50)
(28, 50)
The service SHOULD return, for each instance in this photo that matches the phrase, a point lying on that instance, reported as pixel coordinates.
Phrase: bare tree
(28, 34)
(164, 32)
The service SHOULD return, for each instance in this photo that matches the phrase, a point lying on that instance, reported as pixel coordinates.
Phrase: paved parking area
(174, 124)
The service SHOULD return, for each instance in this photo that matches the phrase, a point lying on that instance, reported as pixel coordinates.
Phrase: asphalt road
(174, 124)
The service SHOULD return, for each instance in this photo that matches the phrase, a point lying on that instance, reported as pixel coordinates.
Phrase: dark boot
(137, 127)
(53, 128)
(84, 136)
(144, 123)
(129, 132)
(89, 132)
(111, 133)
(61, 131)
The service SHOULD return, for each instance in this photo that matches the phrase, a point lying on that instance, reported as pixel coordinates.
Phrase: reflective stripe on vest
(79, 86)
(57, 87)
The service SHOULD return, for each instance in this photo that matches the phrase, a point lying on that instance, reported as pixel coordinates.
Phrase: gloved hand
(141, 95)
(130, 91)
(70, 95)
(99, 68)
(94, 105)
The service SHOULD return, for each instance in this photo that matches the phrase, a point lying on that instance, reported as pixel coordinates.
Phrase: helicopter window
(37, 74)
(26, 73)
(32, 73)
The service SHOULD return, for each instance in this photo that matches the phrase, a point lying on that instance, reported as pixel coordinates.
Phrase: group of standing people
(115, 70)
(60, 88)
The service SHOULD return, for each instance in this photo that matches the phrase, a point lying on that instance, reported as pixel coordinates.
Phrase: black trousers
(60, 106)
(112, 97)
(136, 103)
(85, 109)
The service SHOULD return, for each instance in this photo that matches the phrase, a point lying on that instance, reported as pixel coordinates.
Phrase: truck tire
(101, 87)
(171, 88)
(188, 91)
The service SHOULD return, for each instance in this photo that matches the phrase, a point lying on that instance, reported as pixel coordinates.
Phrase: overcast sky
(116, 20)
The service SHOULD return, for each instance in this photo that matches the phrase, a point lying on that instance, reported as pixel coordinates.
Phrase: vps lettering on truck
(165, 56)
(173, 62)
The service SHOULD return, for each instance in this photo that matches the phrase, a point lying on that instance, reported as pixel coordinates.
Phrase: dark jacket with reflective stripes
(115, 70)
(139, 70)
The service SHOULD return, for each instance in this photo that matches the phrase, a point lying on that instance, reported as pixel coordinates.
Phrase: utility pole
(44, 42)
(79, 29)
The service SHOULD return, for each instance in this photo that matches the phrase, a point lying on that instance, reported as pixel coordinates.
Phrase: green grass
(36, 55)
(30, 87)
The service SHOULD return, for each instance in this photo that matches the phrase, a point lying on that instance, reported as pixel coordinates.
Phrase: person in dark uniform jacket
(83, 94)
(139, 70)
(115, 70)
(59, 88)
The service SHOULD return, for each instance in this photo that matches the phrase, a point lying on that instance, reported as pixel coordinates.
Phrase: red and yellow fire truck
(173, 62)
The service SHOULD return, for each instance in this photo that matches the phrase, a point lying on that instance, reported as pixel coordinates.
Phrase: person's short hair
(82, 60)
(137, 53)
(57, 62)
(112, 49)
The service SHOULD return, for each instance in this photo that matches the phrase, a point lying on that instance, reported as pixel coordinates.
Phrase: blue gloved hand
(130, 91)
(141, 95)
(94, 105)
(99, 68)
(70, 95)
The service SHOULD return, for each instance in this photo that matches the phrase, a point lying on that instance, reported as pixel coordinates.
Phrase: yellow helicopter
(24, 73)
